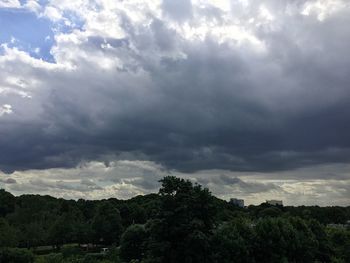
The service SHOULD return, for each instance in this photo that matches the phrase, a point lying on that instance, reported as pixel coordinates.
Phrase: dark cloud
(246, 187)
(146, 183)
(45, 185)
(189, 103)
(229, 180)
(164, 37)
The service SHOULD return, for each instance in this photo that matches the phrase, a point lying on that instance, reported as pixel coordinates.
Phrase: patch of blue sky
(75, 22)
(24, 30)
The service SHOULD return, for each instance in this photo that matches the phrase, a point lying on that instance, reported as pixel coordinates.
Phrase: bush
(16, 255)
(7, 234)
(70, 251)
(50, 258)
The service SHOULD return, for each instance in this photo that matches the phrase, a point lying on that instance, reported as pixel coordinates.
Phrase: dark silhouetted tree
(107, 225)
(132, 244)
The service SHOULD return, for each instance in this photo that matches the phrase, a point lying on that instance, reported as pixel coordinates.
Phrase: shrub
(16, 255)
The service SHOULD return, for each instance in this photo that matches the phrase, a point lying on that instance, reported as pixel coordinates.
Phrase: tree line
(183, 222)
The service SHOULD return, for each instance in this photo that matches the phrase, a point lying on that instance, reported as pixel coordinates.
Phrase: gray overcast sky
(249, 98)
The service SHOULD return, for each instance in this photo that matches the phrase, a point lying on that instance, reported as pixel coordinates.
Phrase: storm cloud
(238, 86)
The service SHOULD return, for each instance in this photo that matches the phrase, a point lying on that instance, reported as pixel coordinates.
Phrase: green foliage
(270, 212)
(113, 254)
(284, 239)
(340, 238)
(50, 258)
(61, 231)
(182, 223)
(132, 244)
(132, 214)
(74, 258)
(324, 249)
(70, 251)
(232, 242)
(305, 244)
(16, 255)
(33, 235)
(272, 239)
(7, 234)
(106, 225)
(7, 203)
(82, 232)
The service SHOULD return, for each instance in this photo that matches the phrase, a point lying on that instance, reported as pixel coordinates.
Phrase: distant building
(237, 202)
(274, 202)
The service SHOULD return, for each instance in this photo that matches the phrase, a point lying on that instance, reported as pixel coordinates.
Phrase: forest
(182, 223)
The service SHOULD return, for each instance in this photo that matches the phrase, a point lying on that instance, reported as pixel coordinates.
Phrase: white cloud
(125, 179)
(5, 109)
(323, 8)
(33, 5)
(93, 180)
(10, 4)
(53, 13)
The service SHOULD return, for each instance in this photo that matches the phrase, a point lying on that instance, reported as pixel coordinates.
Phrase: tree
(61, 231)
(16, 255)
(7, 203)
(272, 239)
(270, 212)
(7, 234)
(33, 235)
(132, 244)
(304, 246)
(107, 224)
(284, 240)
(324, 250)
(132, 214)
(83, 233)
(340, 240)
(182, 228)
(232, 242)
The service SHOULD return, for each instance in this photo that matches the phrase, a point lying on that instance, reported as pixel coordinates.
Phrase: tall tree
(182, 228)
(107, 224)
(7, 234)
(132, 244)
(7, 203)
(232, 242)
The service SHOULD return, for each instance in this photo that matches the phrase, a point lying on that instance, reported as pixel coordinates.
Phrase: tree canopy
(183, 222)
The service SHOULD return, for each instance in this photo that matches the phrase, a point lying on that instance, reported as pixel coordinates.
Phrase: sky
(102, 98)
